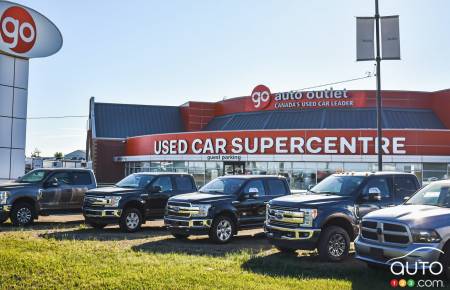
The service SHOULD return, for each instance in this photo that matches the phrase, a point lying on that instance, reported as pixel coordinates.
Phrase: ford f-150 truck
(43, 192)
(416, 232)
(327, 216)
(224, 206)
(135, 199)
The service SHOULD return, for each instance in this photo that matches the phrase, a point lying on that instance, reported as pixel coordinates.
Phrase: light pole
(378, 94)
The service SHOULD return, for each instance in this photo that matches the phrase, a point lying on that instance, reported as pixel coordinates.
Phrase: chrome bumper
(290, 234)
(102, 213)
(191, 223)
(411, 253)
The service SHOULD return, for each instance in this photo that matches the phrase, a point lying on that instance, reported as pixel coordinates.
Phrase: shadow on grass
(8, 227)
(310, 267)
(106, 234)
(202, 246)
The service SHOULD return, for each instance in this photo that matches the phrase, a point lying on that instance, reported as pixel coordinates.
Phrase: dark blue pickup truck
(328, 215)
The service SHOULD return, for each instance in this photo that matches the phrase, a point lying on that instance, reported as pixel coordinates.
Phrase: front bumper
(188, 226)
(102, 213)
(298, 238)
(4, 212)
(385, 255)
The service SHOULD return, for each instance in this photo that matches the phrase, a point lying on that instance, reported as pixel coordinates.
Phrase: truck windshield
(33, 176)
(338, 185)
(436, 194)
(223, 186)
(135, 181)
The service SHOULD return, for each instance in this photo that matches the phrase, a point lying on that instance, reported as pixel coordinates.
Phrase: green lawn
(31, 261)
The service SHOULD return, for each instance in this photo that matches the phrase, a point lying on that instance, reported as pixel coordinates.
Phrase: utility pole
(378, 94)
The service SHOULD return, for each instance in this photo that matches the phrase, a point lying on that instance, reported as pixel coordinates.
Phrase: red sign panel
(307, 142)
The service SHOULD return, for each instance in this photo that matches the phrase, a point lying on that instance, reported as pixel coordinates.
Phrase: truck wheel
(222, 230)
(97, 225)
(180, 236)
(22, 214)
(131, 220)
(334, 244)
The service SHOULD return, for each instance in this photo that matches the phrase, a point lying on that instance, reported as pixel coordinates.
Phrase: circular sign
(18, 29)
(261, 97)
(26, 33)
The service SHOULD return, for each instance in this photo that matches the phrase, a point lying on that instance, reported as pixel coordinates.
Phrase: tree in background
(58, 155)
(36, 153)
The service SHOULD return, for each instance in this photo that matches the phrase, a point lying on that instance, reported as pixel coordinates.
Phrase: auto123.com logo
(420, 270)
(261, 97)
(18, 29)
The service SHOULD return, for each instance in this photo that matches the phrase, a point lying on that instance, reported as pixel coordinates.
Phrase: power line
(56, 117)
(368, 75)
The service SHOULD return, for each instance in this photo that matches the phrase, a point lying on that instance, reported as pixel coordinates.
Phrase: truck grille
(94, 201)
(180, 209)
(287, 217)
(385, 232)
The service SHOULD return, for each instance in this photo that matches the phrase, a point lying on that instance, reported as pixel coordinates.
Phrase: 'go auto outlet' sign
(27, 33)
(262, 99)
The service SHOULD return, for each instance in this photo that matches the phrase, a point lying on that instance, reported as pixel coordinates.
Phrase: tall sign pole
(368, 48)
(379, 102)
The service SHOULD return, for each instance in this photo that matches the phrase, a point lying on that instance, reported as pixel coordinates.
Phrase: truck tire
(222, 230)
(180, 236)
(130, 220)
(22, 214)
(334, 244)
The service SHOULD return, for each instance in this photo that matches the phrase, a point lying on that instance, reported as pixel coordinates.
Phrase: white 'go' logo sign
(261, 97)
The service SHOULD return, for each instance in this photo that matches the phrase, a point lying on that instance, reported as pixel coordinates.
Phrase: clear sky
(167, 52)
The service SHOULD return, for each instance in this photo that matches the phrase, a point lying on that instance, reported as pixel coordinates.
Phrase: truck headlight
(112, 201)
(310, 215)
(202, 210)
(4, 196)
(425, 236)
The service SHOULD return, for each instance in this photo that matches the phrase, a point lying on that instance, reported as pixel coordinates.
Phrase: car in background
(44, 192)
(327, 216)
(417, 231)
(135, 199)
(224, 206)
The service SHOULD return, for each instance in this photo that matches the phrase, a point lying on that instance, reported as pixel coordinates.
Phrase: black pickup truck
(224, 206)
(135, 199)
(43, 192)
(328, 215)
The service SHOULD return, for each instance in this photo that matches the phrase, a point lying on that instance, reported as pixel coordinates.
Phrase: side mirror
(155, 189)
(310, 186)
(52, 183)
(405, 199)
(253, 193)
(374, 194)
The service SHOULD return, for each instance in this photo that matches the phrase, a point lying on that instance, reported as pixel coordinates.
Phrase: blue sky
(169, 52)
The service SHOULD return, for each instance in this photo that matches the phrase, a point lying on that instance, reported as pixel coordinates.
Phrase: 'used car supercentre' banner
(339, 142)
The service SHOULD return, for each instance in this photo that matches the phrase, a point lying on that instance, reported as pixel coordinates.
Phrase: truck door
(57, 191)
(377, 193)
(251, 210)
(81, 183)
(157, 201)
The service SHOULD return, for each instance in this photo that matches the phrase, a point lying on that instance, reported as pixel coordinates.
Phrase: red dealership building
(304, 136)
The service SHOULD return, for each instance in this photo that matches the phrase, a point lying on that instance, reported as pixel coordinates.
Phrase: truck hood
(201, 197)
(309, 200)
(413, 215)
(111, 191)
(14, 185)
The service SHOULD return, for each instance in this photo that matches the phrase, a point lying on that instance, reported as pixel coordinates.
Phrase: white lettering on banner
(280, 145)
